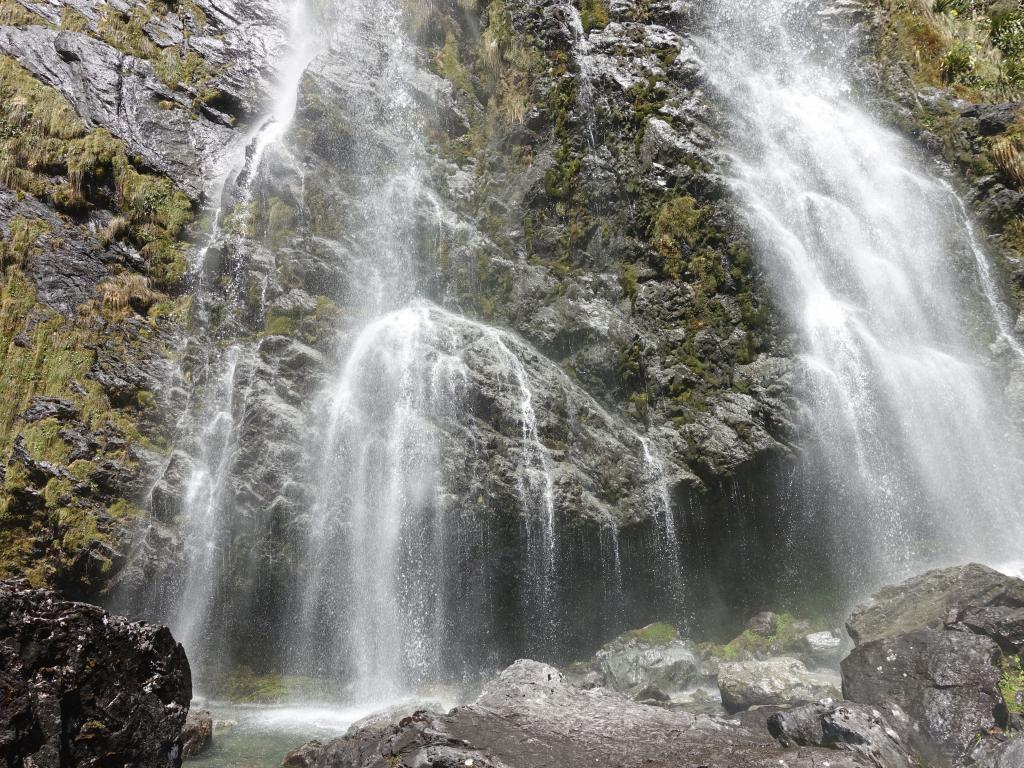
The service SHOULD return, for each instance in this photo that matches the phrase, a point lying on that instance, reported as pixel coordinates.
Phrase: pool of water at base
(259, 736)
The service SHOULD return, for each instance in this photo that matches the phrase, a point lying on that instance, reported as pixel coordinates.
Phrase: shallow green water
(260, 736)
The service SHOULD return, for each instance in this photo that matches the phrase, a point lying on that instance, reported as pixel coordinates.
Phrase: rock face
(948, 682)
(80, 685)
(781, 680)
(943, 647)
(530, 717)
(926, 601)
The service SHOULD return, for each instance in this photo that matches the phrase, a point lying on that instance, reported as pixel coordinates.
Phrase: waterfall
(409, 526)
(909, 457)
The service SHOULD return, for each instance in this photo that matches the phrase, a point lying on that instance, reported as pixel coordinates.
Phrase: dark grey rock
(81, 685)
(947, 682)
(765, 624)
(877, 734)
(50, 408)
(926, 601)
(994, 118)
(304, 756)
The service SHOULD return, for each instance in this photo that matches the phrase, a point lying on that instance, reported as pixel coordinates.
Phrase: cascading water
(416, 535)
(221, 376)
(910, 457)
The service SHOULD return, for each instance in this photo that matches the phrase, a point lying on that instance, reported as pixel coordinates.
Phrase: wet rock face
(81, 685)
(948, 682)
(979, 594)
(635, 665)
(943, 648)
(877, 734)
(197, 735)
(531, 717)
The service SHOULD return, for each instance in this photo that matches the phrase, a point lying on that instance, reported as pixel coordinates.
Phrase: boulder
(824, 647)
(928, 599)
(304, 756)
(82, 687)
(781, 680)
(197, 735)
(947, 682)
(869, 731)
(530, 717)
(648, 659)
(765, 624)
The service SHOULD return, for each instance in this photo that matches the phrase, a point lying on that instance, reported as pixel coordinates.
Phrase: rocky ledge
(531, 716)
(84, 688)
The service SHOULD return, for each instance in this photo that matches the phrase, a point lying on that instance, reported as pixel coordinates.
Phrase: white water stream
(911, 459)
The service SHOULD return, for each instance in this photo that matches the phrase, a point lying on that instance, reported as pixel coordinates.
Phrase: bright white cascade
(906, 344)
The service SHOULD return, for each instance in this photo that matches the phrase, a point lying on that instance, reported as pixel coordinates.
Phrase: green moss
(1011, 684)
(594, 14)
(659, 633)
(679, 227)
(450, 66)
(281, 221)
(789, 637)
(281, 325)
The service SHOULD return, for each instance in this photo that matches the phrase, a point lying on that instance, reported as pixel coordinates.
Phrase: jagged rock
(531, 717)
(197, 735)
(122, 94)
(994, 118)
(877, 735)
(928, 599)
(1002, 623)
(81, 685)
(782, 680)
(998, 753)
(947, 682)
(50, 408)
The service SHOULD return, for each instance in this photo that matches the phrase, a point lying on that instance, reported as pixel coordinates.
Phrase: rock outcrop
(81, 687)
(942, 647)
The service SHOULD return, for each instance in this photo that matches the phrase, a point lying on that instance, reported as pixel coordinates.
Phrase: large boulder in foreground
(530, 716)
(948, 682)
(83, 688)
(942, 647)
(926, 601)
